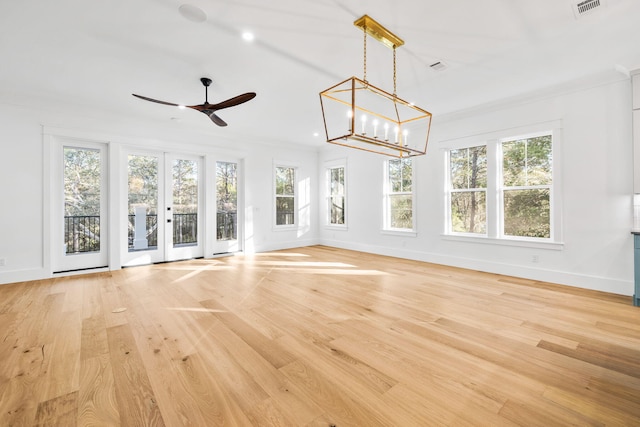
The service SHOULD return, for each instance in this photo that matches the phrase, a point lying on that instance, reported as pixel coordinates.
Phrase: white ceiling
(93, 54)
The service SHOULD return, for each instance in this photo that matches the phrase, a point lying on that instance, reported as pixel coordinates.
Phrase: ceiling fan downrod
(206, 82)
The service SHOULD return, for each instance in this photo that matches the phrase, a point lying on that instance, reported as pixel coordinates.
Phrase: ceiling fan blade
(155, 100)
(236, 100)
(214, 118)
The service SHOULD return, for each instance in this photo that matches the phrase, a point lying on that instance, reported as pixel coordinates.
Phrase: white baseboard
(14, 276)
(596, 283)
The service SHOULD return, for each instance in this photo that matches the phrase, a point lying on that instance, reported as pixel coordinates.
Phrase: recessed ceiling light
(192, 13)
(316, 134)
(248, 36)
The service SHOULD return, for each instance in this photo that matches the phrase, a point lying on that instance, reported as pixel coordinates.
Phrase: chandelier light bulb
(375, 128)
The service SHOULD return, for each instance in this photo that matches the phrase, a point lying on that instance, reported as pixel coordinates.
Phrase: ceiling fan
(206, 108)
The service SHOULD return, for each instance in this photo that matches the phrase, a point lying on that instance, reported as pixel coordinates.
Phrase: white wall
(21, 166)
(597, 181)
(23, 246)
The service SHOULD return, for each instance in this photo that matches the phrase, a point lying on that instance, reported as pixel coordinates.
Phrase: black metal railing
(226, 225)
(185, 229)
(81, 233)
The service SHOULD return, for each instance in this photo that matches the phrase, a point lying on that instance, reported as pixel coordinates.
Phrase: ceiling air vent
(587, 6)
(438, 66)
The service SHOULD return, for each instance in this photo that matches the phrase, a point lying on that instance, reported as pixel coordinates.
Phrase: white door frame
(60, 262)
(148, 256)
(216, 247)
(172, 252)
(165, 250)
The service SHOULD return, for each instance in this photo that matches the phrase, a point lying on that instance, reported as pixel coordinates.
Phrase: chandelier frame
(352, 96)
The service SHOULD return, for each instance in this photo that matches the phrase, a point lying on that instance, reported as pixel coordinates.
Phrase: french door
(79, 205)
(164, 209)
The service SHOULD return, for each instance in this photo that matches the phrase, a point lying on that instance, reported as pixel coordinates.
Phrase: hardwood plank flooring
(315, 336)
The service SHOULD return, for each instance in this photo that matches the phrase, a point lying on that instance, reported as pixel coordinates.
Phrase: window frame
(329, 167)
(451, 191)
(495, 210)
(294, 224)
(502, 188)
(388, 193)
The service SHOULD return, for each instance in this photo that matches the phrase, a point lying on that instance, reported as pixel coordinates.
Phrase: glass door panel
(185, 202)
(142, 203)
(143, 216)
(226, 207)
(184, 241)
(82, 182)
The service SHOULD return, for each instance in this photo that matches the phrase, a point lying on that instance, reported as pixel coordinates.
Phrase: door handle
(168, 220)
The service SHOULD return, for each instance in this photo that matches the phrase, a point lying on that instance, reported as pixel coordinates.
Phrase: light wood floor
(315, 336)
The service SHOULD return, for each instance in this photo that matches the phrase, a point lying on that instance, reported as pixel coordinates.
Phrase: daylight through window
(336, 195)
(285, 195)
(502, 189)
(399, 194)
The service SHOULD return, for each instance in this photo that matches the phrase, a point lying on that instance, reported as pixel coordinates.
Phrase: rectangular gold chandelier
(359, 115)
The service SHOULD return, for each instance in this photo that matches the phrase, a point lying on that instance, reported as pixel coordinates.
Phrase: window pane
(539, 160)
(395, 176)
(468, 167)
(143, 194)
(400, 175)
(401, 211)
(285, 181)
(407, 174)
(337, 181)
(226, 201)
(185, 202)
(337, 210)
(527, 213)
(513, 163)
(336, 199)
(81, 200)
(527, 162)
(285, 214)
(469, 212)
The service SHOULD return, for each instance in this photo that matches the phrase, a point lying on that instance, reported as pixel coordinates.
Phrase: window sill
(336, 227)
(292, 227)
(398, 232)
(555, 246)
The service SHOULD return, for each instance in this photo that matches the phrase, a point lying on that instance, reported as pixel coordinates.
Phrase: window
(468, 168)
(336, 195)
(285, 195)
(399, 195)
(526, 187)
(503, 189)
